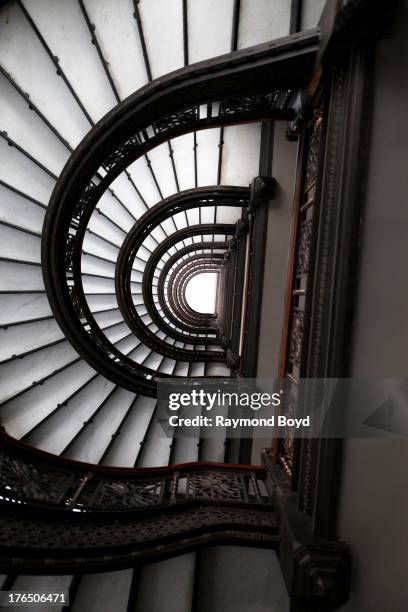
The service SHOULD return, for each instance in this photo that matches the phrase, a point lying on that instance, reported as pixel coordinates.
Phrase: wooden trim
(333, 294)
(257, 244)
(25, 451)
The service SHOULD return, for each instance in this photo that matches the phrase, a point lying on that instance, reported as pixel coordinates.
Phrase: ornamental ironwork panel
(55, 485)
(216, 486)
(21, 481)
(296, 338)
(303, 256)
(59, 515)
(302, 269)
(312, 153)
(122, 494)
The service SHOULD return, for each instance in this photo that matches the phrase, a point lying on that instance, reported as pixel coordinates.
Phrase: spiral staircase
(128, 144)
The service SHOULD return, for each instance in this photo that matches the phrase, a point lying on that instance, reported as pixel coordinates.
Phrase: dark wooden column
(261, 193)
(334, 129)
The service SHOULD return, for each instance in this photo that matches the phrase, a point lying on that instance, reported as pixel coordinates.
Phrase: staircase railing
(62, 516)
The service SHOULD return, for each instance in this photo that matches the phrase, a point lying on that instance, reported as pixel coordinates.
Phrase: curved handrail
(165, 271)
(193, 198)
(249, 85)
(128, 309)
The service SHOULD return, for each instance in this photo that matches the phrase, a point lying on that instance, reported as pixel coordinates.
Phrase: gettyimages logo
(207, 400)
(266, 408)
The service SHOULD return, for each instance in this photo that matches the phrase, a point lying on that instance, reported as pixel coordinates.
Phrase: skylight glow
(201, 292)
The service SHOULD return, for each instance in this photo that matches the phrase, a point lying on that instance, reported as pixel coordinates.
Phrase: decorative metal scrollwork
(122, 494)
(214, 485)
(303, 256)
(176, 120)
(21, 481)
(296, 337)
(59, 515)
(312, 157)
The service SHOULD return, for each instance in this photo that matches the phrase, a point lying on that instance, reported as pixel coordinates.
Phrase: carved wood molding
(262, 189)
(340, 193)
(316, 570)
(316, 567)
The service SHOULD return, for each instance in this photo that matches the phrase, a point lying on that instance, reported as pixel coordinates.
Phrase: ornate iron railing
(63, 516)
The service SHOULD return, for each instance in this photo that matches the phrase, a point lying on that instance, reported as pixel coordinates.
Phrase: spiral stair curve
(130, 133)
